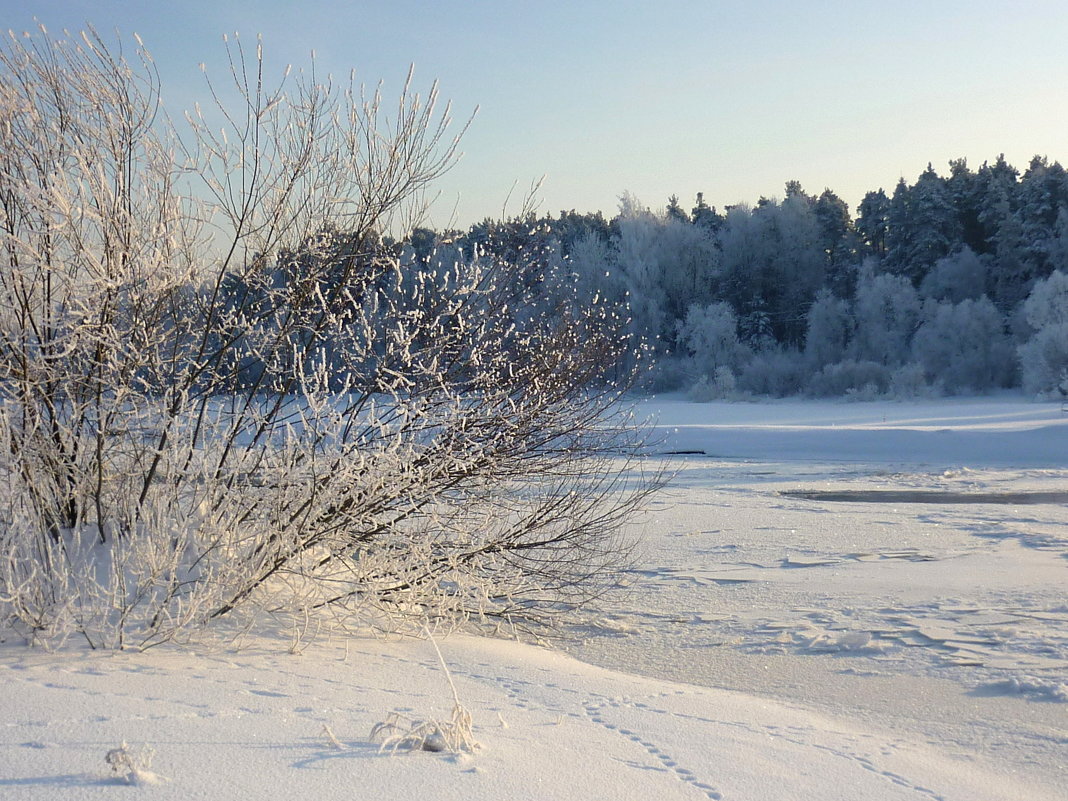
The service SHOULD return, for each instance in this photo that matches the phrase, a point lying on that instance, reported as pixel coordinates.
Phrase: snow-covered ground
(903, 643)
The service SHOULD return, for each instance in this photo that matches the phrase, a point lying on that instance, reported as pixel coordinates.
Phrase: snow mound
(1033, 688)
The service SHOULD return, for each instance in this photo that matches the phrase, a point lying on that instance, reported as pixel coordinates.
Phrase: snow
(973, 431)
(766, 646)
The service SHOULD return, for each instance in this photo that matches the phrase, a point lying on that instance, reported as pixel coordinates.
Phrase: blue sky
(729, 98)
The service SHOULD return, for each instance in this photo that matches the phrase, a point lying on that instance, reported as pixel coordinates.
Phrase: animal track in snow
(862, 750)
(669, 763)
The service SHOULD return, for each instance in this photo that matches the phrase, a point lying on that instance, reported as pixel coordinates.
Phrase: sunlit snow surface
(942, 620)
(789, 648)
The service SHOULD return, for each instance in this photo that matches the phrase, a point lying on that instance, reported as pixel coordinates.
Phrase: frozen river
(905, 564)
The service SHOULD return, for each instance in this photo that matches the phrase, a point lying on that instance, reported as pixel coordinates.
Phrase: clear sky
(661, 97)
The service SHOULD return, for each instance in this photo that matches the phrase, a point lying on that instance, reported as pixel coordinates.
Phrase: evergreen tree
(1058, 245)
(772, 265)
(873, 221)
(963, 187)
(571, 227)
(995, 184)
(838, 240)
(704, 215)
(924, 226)
(1009, 279)
(674, 210)
(899, 227)
(1043, 192)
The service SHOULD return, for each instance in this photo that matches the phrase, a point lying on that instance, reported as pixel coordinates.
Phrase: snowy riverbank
(791, 648)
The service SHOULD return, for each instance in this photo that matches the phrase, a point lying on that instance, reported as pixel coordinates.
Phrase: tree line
(954, 283)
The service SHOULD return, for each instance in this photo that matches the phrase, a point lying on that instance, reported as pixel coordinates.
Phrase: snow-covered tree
(637, 255)
(1048, 302)
(873, 221)
(801, 243)
(964, 191)
(839, 241)
(704, 215)
(1058, 243)
(964, 346)
(688, 264)
(959, 276)
(1044, 357)
(595, 271)
(886, 312)
(741, 282)
(666, 265)
(1042, 194)
(830, 327)
(923, 226)
(772, 263)
(709, 335)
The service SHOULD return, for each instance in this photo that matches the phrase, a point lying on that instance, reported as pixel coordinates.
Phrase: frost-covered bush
(830, 327)
(670, 373)
(1044, 361)
(886, 311)
(850, 377)
(224, 391)
(865, 394)
(776, 372)
(910, 381)
(964, 346)
(721, 386)
(709, 335)
(1047, 304)
(1044, 357)
(132, 766)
